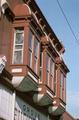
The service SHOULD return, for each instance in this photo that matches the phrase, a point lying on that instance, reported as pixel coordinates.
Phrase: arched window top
(22, 10)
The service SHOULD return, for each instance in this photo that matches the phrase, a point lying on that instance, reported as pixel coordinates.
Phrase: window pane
(61, 85)
(41, 59)
(18, 46)
(30, 58)
(30, 40)
(17, 57)
(48, 63)
(19, 37)
(47, 76)
(52, 67)
(36, 47)
(35, 65)
(47, 69)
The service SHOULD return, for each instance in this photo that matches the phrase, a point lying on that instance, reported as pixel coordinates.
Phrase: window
(55, 82)
(36, 51)
(30, 48)
(41, 57)
(62, 87)
(50, 72)
(18, 46)
(47, 69)
(33, 51)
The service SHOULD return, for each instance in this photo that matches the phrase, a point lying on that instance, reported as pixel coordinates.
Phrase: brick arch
(22, 10)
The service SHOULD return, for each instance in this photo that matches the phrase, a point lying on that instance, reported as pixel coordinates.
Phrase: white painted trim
(35, 17)
(32, 77)
(62, 105)
(28, 8)
(49, 93)
(17, 70)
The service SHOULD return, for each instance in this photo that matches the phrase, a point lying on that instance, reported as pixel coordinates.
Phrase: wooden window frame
(18, 30)
(62, 86)
(50, 72)
(34, 57)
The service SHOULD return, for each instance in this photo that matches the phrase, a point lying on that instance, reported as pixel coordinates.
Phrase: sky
(59, 25)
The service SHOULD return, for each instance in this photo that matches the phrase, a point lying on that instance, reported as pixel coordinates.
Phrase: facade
(33, 83)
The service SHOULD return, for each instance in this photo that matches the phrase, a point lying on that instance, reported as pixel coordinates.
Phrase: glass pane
(61, 85)
(36, 47)
(30, 59)
(62, 80)
(47, 77)
(41, 59)
(30, 40)
(52, 82)
(48, 63)
(52, 67)
(19, 37)
(35, 65)
(17, 57)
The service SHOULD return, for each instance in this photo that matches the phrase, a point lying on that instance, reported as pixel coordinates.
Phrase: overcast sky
(59, 24)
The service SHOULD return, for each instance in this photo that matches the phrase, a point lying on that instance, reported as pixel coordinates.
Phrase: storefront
(24, 111)
(15, 108)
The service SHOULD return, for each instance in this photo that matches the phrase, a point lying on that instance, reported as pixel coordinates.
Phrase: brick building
(33, 83)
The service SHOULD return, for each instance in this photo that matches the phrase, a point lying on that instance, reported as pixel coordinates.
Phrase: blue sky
(58, 23)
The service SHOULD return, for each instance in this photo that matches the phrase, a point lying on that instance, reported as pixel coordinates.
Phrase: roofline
(42, 16)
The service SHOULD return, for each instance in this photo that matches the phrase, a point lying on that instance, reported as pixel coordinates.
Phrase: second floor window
(30, 48)
(62, 87)
(50, 72)
(36, 51)
(33, 51)
(18, 46)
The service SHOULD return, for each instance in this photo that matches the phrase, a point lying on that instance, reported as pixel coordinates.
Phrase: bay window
(18, 46)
